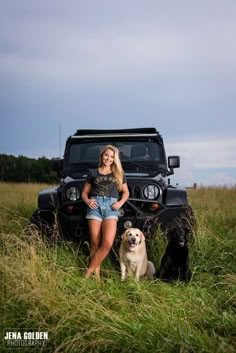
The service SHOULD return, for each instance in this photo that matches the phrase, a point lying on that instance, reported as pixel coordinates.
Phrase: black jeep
(152, 201)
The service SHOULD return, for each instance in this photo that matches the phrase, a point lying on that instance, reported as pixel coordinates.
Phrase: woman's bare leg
(108, 235)
(95, 230)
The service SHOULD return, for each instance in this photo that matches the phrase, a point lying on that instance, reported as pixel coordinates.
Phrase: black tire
(44, 223)
(186, 220)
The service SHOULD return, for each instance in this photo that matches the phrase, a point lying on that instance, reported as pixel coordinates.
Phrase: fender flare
(48, 199)
(176, 197)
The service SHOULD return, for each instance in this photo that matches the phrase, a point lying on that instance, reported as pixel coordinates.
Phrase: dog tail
(150, 270)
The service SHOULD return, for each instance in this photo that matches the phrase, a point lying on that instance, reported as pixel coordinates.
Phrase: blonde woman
(101, 193)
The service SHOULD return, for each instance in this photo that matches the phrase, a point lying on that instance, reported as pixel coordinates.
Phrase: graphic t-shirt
(103, 185)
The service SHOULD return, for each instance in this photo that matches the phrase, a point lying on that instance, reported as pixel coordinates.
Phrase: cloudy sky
(75, 64)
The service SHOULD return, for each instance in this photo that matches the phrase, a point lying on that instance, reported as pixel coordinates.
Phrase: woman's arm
(85, 192)
(85, 196)
(125, 194)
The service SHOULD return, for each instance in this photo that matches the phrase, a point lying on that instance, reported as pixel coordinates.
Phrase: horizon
(78, 65)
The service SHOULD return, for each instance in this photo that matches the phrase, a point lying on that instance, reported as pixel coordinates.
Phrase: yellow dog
(133, 256)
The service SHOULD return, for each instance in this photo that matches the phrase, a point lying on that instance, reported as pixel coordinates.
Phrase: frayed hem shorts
(104, 211)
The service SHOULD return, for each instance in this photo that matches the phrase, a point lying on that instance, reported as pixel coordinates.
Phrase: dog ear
(123, 236)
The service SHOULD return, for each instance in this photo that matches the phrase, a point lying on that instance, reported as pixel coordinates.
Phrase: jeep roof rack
(138, 132)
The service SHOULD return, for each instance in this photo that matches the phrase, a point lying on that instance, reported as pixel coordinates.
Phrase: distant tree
(24, 169)
(8, 167)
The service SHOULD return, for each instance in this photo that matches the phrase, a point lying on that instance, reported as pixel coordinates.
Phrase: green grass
(43, 289)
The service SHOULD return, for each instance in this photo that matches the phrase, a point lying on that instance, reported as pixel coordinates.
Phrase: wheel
(44, 222)
(186, 220)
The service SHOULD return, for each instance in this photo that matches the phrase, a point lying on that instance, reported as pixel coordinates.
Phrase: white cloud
(170, 64)
(218, 153)
(202, 160)
(73, 53)
(220, 178)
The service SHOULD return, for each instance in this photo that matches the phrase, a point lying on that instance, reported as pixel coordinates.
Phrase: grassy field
(42, 288)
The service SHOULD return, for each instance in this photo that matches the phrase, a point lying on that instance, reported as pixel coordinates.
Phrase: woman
(101, 194)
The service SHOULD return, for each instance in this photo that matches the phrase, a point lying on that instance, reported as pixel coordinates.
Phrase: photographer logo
(24, 338)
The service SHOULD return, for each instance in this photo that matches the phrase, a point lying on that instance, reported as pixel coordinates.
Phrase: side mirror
(56, 164)
(173, 162)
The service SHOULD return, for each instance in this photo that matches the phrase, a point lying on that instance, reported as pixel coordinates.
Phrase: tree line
(24, 169)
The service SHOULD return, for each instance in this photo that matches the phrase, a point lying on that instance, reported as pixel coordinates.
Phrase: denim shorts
(104, 211)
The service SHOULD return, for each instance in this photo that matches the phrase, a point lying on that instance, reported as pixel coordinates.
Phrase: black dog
(175, 261)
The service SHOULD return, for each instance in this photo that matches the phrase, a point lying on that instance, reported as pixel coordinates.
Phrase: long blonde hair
(116, 166)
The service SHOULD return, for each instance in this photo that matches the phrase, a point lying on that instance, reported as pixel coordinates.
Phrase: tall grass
(17, 203)
(42, 287)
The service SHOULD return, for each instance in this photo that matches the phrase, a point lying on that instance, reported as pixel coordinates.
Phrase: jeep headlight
(151, 192)
(72, 193)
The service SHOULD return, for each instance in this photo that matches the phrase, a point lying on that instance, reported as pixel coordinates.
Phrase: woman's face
(107, 157)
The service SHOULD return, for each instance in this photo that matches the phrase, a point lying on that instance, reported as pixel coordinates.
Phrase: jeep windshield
(139, 158)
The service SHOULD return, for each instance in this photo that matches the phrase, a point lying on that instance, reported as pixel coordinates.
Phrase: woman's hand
(125, 194)
(85, 196)
(92, 204)
(116, 205)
